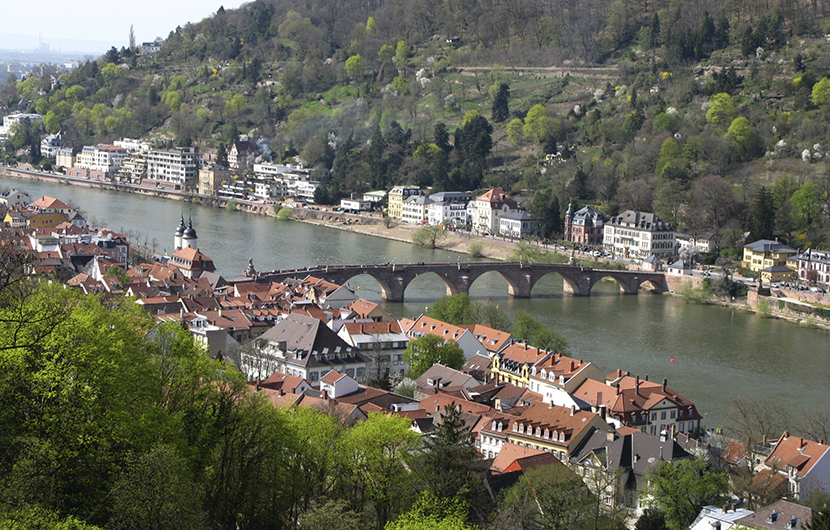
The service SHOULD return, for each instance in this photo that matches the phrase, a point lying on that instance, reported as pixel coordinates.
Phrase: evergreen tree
(222, 155)
(501, 109)
(449, 462)
(763, 215)
(655, 31)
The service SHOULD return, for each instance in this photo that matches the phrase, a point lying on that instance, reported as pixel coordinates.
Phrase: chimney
(602, 412)
(665, 382)
(637, 385)
(324, 394)
(725, 508)
(573, 410)
(646, 377)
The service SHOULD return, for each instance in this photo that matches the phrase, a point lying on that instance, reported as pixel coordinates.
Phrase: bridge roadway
(459, 277)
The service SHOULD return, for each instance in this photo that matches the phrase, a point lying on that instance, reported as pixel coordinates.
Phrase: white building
(355, 205)
(176, 167)
(104, 158)
(414, 209)
(50, 144)
(639, 235)
(133, 145)
(486, 210)
(15, 119)
(448, 208)
(14, 198)
(813, 266)
(519, 225)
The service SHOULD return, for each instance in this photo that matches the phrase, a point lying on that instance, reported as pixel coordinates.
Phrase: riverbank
(454, 241)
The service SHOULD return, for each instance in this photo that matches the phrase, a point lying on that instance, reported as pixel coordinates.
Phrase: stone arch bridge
(459, 277)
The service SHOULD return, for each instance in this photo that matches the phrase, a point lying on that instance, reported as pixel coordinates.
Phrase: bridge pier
(577, 284)
(628, 284)
(393, 289)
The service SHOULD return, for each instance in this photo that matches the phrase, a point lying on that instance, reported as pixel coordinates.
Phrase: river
(719, 354)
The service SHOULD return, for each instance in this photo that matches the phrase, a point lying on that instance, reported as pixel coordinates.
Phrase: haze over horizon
(67, 30)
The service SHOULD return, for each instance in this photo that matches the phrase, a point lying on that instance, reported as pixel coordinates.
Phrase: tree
(222, 155)
(741, 132)
(515, 131)
(377, 455)
(433, 512)
(401, 55)
(721, 109)
(454, 309)
(806, 202)
(538, 125)
(821, 92)
(355, 66)
(428, 236)
(681, 488)
(131, 39)
(546, 206)
(651, 520)
(820, 519)
(501, 102)
(550, 497)
(763, 216)
(112, 56)
(333, 515)
(420, 354)
(528, 329)
(449, 464)
(155, 491)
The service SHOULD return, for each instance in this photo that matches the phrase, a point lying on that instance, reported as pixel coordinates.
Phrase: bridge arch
(570, 282)
(451, 286)
(389, 289)
(515, 286)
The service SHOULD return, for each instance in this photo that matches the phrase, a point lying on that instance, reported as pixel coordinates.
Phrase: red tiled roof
(795, 452)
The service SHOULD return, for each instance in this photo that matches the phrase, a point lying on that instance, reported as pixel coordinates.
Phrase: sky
(96, 25)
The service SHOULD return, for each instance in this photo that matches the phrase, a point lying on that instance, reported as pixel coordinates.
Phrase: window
(653, 417)
(691, 426)
(673, 413)
(350, 372)
(313, 376)
(663, 415)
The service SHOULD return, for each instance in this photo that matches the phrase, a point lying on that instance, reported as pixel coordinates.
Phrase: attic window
(792, 523)
(773, 517)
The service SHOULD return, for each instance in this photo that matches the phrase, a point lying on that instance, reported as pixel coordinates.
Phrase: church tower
(189, 236)
(177, 235)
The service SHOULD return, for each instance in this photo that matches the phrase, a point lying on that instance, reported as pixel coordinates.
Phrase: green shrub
(476, 250)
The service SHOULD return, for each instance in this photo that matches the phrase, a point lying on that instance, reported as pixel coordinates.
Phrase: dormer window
(792, 523)
(773, 517)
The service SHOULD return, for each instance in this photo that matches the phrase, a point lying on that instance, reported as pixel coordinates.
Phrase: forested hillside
(712, 114)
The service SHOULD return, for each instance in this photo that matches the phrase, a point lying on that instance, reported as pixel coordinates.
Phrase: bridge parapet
(459, 277)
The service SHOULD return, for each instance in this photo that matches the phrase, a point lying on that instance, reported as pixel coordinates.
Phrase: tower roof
(180, 229)
(189, 232)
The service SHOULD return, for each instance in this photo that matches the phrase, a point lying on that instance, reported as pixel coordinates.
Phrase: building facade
(585, 225)
(173, 168)
(764, 253)
(396, 198)
(813, 266)
(487, 209)
(639, 235)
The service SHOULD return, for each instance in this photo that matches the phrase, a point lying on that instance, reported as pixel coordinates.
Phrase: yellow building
(46, 220)
(396, 198)
(764, 254)
(211, 178)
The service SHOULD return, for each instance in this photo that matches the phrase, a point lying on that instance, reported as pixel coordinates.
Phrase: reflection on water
(719, 353)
